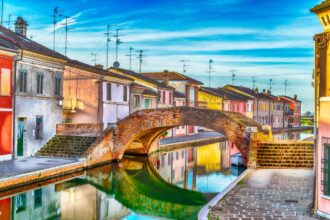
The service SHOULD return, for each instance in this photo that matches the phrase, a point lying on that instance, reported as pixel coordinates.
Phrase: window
(326, 167)
(147, 103)
(39, 128)
(177, 155)
(40, 83)
(164, 96)
(20, 202)
(22, 80)
(109, 91)
(58, 82)
(182, 154)
(170, 97)
(169, 158)
(162, 161)
(5, 82)
(125, 93)
(136, 101)
(37, 198)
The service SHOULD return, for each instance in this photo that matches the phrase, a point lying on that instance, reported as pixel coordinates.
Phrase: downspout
(100, 102)
(16, 59)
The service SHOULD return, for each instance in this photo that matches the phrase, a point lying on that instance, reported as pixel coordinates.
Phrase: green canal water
(171, 185)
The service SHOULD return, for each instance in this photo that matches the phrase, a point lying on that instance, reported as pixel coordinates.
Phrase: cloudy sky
(264, 39)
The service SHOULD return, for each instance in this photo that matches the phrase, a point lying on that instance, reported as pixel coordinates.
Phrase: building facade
(210, 97)
(6, 102)
(142, 98)
(322, 109)
(295, 110)
(94, 95)
(37, 92)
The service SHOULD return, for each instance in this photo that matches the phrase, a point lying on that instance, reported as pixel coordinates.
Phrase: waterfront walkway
(268, 194)
(199, 136)
(26, 165)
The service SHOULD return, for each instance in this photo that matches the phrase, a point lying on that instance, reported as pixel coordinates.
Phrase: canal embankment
(266, 194)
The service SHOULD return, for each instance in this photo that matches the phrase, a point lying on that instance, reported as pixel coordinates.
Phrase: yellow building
(322, 109)
(210, 97)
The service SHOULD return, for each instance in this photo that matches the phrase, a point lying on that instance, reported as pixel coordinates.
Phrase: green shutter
(326, 170)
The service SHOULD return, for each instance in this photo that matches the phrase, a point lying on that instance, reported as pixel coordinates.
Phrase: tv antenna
(94, 57)
(210, 70)
(130, 57)
(285, 86)
(184, 65)
(233, 76)
(270, 84)
(107, 34)
(140, 57)
(56, 13)
(118, 41)
(66, 24)
(253, 82)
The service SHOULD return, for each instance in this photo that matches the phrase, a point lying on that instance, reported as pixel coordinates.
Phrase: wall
(80, 92)
(324, 132)
(29, 104)
(213, 102)
(117, 108)
(6, 108)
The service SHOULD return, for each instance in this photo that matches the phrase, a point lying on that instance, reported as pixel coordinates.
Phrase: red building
(295, 108)
(6, 106)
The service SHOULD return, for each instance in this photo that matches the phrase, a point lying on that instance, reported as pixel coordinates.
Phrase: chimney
(264, 91)
(165, 71)
(20, 26)
(256, 90)
(295, 97)
(100, 66)
(269, 92)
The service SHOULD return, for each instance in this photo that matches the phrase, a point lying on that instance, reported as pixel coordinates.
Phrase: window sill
(327, 197)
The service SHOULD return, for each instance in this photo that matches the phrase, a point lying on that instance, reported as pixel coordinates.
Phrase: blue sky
(261, 38)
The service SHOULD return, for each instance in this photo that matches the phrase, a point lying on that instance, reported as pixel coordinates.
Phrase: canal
(172, 184)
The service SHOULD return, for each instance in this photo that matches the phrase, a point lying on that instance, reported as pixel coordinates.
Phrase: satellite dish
(116, 64)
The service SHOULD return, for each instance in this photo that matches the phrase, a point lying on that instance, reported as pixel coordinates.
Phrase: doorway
(20, 136)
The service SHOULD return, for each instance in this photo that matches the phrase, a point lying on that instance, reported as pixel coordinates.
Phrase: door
(20, 136)
(147, 103)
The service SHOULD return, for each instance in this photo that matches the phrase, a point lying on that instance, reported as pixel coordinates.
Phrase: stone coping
(203, 213)
(39, 175)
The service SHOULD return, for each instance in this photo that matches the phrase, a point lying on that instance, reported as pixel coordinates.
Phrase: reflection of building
(42, 203)
(322, 109)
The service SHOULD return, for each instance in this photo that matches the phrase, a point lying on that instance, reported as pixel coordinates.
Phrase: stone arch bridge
(140, 130)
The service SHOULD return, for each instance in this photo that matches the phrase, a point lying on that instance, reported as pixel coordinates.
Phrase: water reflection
(293, 135)
(173, 185)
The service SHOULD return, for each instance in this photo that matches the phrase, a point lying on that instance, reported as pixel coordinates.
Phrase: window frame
(58, 85)
(23, 80)
(125, 92)
(40, 83)
(9, 83)
(325, 167)
(109, 92)
(39, 128)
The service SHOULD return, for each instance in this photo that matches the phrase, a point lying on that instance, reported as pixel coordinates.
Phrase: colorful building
(322, 109)
(210, 97)
(94, 95)
(236, 102)
(183, 84)
(38, 91)
(142, 97)
(295, 108)
(6, 101)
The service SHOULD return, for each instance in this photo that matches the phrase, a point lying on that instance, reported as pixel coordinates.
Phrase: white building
(37, 91)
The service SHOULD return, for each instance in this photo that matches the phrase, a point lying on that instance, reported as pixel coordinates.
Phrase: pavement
(26, 165)
(268, 194)
(200, 135)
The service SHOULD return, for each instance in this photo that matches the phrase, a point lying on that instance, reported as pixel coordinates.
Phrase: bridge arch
(145, 126)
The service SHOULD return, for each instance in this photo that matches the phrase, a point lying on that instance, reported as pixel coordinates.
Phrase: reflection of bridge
(138, 131)
(129, 183)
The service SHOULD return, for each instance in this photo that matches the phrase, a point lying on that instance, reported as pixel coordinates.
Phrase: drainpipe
(16, 59)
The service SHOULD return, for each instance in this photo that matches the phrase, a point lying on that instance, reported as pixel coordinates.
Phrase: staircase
(286, 154)
(66, 146)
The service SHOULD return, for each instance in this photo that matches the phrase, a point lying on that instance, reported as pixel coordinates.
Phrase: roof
(90, 68)
(211, 91)
(142, 77)
(323, 5)
(178, 94)
(171, 75)
(255, 94)
(289, 98)
(17, 41)
(230, 95)
(146, 90)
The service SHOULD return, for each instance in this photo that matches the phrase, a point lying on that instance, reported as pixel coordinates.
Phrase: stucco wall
(29, 104)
